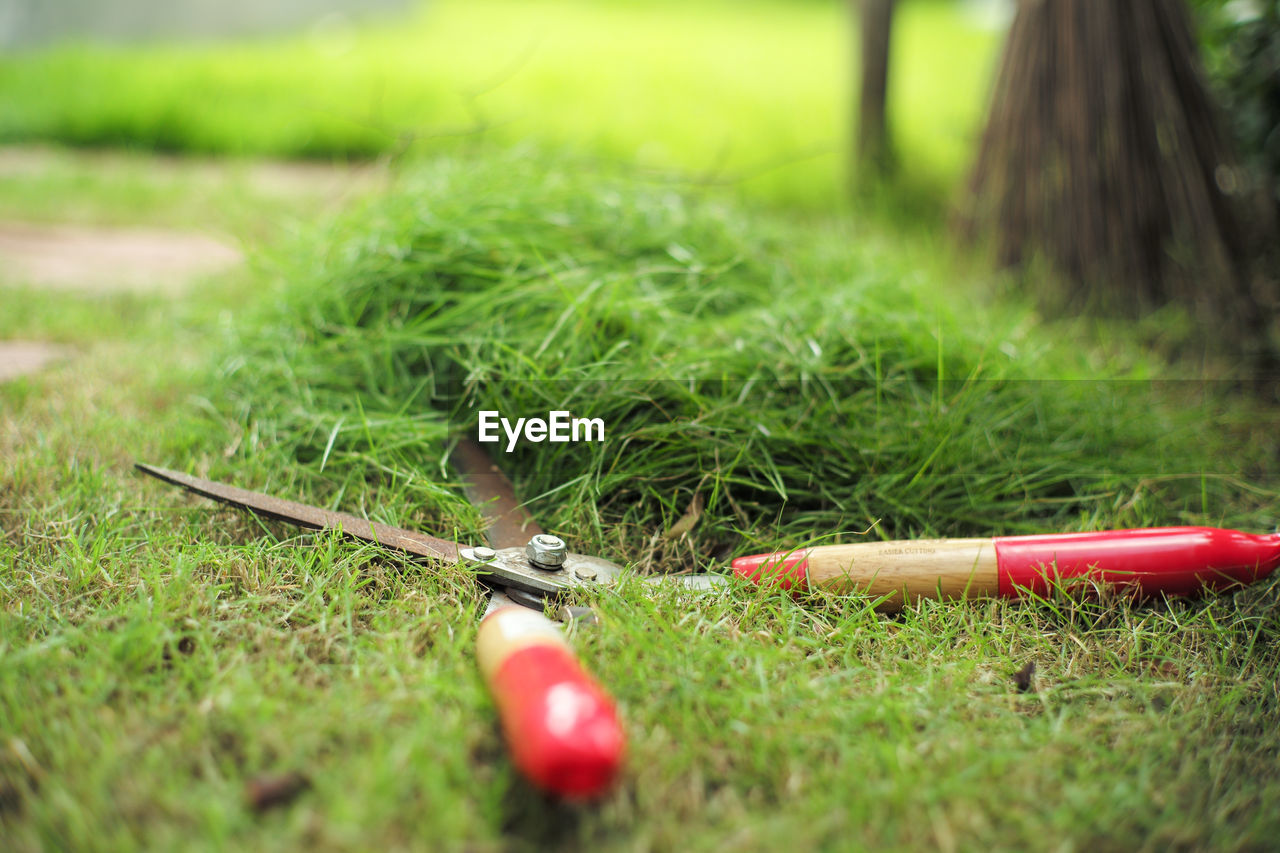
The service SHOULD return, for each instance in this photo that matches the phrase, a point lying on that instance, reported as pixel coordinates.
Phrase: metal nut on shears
(546, 551)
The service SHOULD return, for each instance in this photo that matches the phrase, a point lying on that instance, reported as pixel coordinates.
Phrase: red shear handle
(1168, 560)
(561, 727)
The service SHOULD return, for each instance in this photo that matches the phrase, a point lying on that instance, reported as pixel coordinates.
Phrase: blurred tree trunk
(1103, 155)
(874, 153)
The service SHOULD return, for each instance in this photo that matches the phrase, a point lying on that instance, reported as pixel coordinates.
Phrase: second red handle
(561, 728)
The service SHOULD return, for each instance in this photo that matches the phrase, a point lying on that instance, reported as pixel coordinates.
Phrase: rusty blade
(510, 525)
(313, 517)
(507, 567)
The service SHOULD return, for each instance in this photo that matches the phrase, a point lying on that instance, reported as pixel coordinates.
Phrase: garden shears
(561, 727)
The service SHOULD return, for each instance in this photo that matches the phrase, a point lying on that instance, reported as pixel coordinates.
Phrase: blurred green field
(753, 94)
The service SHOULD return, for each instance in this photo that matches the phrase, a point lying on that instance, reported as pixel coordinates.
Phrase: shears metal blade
(507, 566)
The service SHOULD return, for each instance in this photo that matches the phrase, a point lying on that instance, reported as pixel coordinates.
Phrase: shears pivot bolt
(546, 551)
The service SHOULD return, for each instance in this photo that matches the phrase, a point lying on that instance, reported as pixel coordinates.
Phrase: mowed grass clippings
(789, 381)
(163, 659)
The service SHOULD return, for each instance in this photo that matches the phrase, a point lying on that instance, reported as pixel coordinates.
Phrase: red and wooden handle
(1169, 560)
(561, 727)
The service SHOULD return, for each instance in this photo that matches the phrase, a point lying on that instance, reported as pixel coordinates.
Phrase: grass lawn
(768, 380)
(160, 655)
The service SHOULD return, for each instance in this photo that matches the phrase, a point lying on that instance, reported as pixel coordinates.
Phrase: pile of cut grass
(788, 382)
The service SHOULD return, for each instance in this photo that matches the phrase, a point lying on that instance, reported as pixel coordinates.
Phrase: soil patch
(77, 257)
(20, 358)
